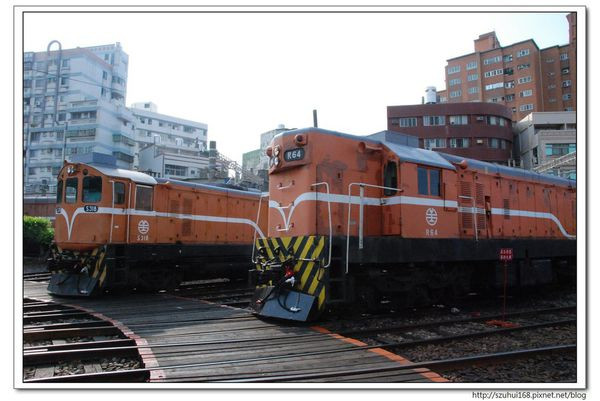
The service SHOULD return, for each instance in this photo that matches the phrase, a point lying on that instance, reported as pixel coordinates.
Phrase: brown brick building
(521, 76)
(475, 130)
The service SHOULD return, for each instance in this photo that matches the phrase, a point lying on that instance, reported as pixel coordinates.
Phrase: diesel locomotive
(118, 229)
(371, 219)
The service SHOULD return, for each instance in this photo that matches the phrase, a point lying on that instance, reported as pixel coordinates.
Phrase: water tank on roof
(430, 95)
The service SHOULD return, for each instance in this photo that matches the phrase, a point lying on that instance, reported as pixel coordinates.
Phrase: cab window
(59, 192)
(428, 180)
(92, 189)
(71, 190)
(390, 178)
(119, 193)
(143, 198)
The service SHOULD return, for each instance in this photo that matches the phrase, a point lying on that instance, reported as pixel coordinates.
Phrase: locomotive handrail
(291, 184)
(362, 185)
(329, 213)
(262, 195)
(128, 214)
(112, 211)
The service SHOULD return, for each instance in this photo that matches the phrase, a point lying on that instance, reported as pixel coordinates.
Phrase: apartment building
(73, 104)
(183, 143)
(520, 76)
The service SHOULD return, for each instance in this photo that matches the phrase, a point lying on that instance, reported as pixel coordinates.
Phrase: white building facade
(548, 142)
(184, 142)
(74, 103)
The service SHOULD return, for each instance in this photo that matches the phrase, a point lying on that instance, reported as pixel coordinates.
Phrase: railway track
(62, 343)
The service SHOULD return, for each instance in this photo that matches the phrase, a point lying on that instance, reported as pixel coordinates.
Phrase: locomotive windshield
(59, 190)
(71, 190)
(92, 189)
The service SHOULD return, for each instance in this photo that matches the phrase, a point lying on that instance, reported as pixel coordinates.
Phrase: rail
(316, 184)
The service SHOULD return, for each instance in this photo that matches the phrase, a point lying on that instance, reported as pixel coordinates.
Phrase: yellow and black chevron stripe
(100, 267)
(312, 274)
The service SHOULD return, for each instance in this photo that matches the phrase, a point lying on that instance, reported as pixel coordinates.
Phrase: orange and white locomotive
(118, 229)
(371, 218)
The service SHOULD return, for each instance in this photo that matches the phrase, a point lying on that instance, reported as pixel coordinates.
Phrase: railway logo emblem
(431, 216)
(143, 227)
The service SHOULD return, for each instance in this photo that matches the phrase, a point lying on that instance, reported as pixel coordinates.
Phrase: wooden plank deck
(187, 340)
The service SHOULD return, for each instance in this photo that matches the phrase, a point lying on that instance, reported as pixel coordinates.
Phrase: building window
(390, 178)
(566, 96)
(560, 149)
(549, 60)
(171, 169)
(507, 58)
(510, 97)
(523, 53)
(501, 122)
(566, 83)
(551, 86)
(456, 81)
(493, 73)
(71, 190)
(407, 122)
(455, 93)
(433, 143)
(523, 66)
(526, 107)
(459, 142)
(526, 93)
(143, 198)
(509, 84)
(525, 80)
(492, 120)
(428, 181)
(473, 89)
(66, 62)
(494, 86)
(564, 71)
(564, 56)
(508, 71)
(91, 189)
(492, 60)
(64, 81)
(458, 120)
(472, 77)
(472, 65)
(433, 120)
(454, 69)
(494, 143)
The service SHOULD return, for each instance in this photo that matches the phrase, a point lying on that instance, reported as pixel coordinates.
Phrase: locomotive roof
(226, 188)
(405, 153)
(135, 176)
(492, 168)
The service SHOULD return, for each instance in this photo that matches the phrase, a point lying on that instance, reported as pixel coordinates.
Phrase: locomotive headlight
(276, 161)
(70, 169)
(276, 150)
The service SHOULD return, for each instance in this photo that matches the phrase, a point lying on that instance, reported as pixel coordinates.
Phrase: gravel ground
(540, 369)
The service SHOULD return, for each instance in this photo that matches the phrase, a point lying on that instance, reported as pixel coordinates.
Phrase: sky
(245, 73)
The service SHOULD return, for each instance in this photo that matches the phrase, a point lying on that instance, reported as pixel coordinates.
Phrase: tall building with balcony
(520, 76)
(168, 146)
(73, 104)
